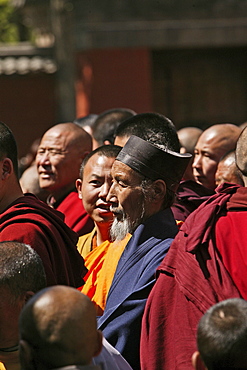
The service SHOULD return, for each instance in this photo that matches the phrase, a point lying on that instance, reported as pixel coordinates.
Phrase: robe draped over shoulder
(191, 278)
(31, 221)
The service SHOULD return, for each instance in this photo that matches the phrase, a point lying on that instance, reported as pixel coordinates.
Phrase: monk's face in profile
(213, 143)
(127, 198)
(94, 188)
(208, 152)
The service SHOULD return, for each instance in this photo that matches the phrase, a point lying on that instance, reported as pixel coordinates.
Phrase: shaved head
(59, 157)
(188, 137)
(213, 143)
(75, 136)
(30, 183)
(227, 170)
(59, 325)
(241, 154)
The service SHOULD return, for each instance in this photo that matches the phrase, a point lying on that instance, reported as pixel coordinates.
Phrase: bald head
(213, 143)
(241, 154)
(59, 325)
(30, 183)
(188, 137)
(72, 134)
(60, 154)
(227, 170)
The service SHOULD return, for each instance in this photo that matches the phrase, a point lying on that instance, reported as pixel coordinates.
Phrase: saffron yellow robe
(101, 263)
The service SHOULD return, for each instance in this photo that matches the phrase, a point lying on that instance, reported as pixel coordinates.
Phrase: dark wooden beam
(62, 27)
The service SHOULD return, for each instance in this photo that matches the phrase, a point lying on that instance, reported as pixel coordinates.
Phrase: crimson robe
(75, 215)
(191, 278)
(31, 221)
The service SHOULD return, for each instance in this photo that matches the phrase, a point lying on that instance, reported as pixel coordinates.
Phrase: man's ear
(197, 361)
(183, 150)
(7, 168)
(78, 185)
(107, 142)
(159, 190)
(26, 357)
(24, 298)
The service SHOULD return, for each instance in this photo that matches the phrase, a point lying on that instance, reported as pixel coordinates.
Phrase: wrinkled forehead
(57, 138)
(123, 170)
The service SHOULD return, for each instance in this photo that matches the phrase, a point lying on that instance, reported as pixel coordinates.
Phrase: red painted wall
(27, 106)
(114, 78)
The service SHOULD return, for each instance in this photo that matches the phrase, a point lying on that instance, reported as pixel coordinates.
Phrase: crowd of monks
(145, 220)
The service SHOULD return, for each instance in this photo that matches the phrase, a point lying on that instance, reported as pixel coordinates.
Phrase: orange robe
(101, 263)
(86, 243)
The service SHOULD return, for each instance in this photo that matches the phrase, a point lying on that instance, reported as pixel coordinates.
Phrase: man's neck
(56, 197)
(103, 232)
(12, 193)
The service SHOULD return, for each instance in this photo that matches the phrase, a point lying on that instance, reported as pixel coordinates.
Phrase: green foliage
(9, 23)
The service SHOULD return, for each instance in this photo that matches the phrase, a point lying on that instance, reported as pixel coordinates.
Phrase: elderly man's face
(58, 162)
(127, 198)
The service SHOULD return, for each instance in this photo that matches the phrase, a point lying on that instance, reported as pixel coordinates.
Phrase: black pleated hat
(153, 162)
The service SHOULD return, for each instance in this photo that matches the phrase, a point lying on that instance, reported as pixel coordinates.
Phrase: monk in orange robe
(97, 247)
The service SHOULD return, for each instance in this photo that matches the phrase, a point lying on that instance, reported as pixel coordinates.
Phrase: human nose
(111, 196)
(43, 158)
(104, 190)
(197, 161)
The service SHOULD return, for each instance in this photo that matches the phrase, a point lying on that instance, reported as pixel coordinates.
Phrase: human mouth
(45, 175)
(104, 207)
(199, 179)
(117, 212)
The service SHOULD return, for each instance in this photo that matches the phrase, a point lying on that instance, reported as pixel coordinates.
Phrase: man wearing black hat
(145, 178)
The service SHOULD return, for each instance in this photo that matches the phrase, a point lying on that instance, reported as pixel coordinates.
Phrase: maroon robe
(75, 215)
(191, 278)
(30, 221)
(189, 196)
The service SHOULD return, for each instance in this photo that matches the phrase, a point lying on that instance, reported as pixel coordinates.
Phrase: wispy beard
(120, 228)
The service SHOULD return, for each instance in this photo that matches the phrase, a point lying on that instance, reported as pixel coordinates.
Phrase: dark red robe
(189, 196)
(191, 278)
(75, 215)
(30, 221)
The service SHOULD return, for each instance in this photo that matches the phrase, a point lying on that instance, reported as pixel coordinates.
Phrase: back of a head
(21, 269)
(29, 182)
(87, 122)
(188, 137)
(107, 123)
(241, 152)
(8, 147)
(222, 335)
(152, 127)
(59, 325)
